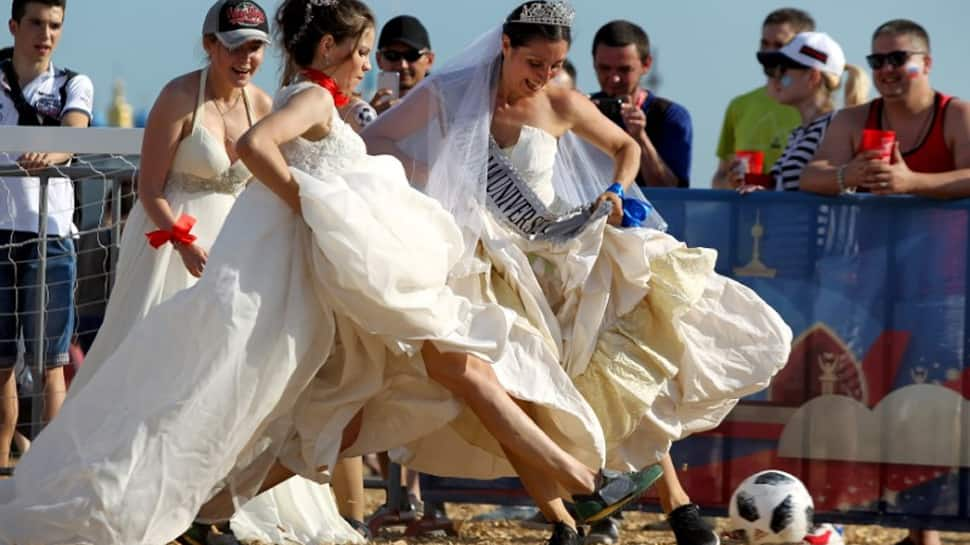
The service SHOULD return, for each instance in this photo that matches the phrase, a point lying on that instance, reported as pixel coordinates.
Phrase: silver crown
(555, 12)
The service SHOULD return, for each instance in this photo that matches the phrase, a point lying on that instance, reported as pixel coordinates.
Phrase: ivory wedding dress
(204, 183)
(299, 323)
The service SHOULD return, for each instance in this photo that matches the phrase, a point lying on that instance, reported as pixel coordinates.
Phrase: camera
(611, 107)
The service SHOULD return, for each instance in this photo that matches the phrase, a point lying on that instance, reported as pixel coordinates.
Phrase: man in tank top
(931, 156)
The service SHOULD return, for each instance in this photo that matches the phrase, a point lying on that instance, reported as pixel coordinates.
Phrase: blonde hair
(857, 85)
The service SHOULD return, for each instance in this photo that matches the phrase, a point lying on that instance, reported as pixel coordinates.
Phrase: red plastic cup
(754, 159)
(766, 181)
(882, 141)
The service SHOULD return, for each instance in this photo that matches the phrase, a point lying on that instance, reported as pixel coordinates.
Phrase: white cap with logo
(808, 50)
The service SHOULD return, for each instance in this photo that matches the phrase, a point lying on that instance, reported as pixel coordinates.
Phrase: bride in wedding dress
(658, 343)
(189, 170)
(322, 327)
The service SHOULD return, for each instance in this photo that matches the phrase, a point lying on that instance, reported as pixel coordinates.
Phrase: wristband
(617, 188)
(180, 233)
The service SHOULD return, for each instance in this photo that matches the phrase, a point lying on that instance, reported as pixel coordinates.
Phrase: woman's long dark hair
(345, 19)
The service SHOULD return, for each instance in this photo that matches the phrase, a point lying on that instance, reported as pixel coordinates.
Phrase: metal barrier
(99, 181)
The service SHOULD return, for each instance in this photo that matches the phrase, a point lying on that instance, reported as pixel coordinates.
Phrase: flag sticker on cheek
(913, 71)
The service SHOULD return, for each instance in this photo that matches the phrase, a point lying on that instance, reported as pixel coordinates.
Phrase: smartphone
(390, 80)
(611, 107)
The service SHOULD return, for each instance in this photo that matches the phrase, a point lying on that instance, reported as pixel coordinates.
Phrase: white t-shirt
(20, 197)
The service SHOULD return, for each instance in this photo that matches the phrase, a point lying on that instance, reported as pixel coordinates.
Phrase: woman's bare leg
(348, 487)
(672, 494)
(222, 507)
(8, 413)
(474, 381)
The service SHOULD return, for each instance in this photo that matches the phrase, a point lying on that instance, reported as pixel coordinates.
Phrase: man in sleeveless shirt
(662, 128)
(33, 92)
(931, 155)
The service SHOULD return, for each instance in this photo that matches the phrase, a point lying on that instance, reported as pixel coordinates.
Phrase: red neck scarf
(327, 83)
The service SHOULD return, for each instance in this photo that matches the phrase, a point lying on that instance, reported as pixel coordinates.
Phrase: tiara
(309, 17)
(556, 12)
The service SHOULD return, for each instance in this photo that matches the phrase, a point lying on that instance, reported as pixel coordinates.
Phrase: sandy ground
(498, 532)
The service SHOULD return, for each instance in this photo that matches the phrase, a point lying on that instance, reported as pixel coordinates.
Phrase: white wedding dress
(298, 324)
(659, 344)
(204, 184)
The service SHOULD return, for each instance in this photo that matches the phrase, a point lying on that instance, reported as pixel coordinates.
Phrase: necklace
(227, 141)
(925, 125)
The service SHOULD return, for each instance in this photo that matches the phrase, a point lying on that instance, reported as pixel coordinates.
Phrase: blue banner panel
(872, 410)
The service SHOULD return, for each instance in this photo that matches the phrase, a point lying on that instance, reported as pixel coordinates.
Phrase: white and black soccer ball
(772, 507)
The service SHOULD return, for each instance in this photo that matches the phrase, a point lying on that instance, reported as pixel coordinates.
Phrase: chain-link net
(59, 233)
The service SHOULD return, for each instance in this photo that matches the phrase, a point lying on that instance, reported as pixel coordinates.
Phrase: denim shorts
(19, 276)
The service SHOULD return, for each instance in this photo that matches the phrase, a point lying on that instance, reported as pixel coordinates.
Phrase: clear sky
(704, 48)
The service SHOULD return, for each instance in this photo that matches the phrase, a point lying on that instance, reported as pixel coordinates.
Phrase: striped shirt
(802, 143)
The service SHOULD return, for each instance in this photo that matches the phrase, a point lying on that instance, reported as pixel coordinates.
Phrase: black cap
(405, 29)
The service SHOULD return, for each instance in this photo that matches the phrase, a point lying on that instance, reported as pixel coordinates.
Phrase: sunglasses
(412, 55)
(776, 71)
(895, 59)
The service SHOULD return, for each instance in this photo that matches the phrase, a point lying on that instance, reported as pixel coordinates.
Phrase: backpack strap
(28, 116)
(68, 76)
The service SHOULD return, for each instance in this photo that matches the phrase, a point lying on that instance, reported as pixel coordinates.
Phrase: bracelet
(617, 188)
(840, 179)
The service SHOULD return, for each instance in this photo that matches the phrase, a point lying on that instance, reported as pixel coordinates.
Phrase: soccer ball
(772, 507)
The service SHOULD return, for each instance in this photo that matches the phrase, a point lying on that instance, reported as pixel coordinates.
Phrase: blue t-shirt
(673, 139)
(671, 132)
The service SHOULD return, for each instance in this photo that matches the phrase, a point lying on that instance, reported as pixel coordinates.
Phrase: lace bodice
(334, 153)
(534, 157)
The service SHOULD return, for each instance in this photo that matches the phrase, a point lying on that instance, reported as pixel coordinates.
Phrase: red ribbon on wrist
(180, 233)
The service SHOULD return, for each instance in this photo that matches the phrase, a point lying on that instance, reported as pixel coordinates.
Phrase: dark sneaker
(207, 534)
(604, 532)
(564, 535)
(690, 528)
(359, 527)
(615, 490)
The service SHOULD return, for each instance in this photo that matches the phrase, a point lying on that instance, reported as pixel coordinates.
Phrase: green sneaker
(615, 490)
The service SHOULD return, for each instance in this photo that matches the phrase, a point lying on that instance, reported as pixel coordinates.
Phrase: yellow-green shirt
(754, 121)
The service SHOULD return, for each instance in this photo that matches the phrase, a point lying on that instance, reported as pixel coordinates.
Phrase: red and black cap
(235, 22)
